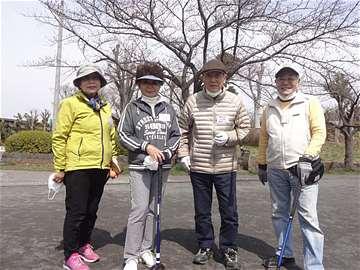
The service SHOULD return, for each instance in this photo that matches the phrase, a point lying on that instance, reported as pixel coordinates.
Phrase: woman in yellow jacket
(83, 144)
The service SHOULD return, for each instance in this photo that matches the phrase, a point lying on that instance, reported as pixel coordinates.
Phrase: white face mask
(54, 187)
(213, 93)
(288, 97)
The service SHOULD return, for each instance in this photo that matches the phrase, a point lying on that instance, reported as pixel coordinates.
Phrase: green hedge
(30, 141)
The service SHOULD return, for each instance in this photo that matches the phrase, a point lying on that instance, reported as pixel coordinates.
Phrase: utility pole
(58, 64)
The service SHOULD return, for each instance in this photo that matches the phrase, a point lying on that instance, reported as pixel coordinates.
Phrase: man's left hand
(221, 138)
(304, 169)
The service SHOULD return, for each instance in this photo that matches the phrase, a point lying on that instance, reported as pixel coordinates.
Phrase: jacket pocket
(79, 148)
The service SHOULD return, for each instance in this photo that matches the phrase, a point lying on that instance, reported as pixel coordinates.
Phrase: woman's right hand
(59, 177)
(155, 153)
(112, 174)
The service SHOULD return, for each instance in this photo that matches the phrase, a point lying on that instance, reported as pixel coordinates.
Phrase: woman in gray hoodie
(149, 130)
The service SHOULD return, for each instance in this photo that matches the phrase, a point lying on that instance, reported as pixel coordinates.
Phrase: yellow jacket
(83, 138)
(290, 130)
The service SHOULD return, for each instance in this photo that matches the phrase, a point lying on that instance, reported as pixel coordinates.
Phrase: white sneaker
(148, 258)
(131, 265)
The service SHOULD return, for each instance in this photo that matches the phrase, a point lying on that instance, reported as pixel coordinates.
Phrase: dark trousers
(84, 189)
(225, 186)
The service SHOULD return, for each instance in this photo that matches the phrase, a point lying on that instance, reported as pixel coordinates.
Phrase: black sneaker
(271, 262)
(231, 259)
(203, 256)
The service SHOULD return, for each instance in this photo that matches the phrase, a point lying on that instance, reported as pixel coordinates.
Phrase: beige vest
(201, 118)
(289, 132)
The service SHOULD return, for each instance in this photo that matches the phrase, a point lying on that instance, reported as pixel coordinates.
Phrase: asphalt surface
(31, 226)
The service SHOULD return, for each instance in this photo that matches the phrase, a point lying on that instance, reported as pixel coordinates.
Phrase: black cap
(286, 70)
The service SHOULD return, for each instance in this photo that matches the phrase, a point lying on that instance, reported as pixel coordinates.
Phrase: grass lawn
(330, 152)
(176, 170)
(336, 152)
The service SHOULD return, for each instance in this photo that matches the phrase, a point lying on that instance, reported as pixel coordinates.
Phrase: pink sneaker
(87, 254)
(74, 262)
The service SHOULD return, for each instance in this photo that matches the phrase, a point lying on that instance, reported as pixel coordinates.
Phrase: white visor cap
(150, 77)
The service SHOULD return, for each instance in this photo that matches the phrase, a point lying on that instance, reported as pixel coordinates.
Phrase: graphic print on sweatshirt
(154, 129)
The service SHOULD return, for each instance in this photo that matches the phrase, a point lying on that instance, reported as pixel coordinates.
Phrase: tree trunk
(258, 107)
(197, 84)
(257, 114)
(349, 142)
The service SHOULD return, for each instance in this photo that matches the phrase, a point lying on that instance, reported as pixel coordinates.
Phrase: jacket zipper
(213, 133)
(80, 144)
(102, 141)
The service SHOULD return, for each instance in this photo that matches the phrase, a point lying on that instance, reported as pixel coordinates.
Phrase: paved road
(31, 226)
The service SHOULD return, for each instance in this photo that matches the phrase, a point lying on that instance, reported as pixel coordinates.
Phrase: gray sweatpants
(141, 221)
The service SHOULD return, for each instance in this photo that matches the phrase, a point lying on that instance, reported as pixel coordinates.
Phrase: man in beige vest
(291, 135)
(212, 123)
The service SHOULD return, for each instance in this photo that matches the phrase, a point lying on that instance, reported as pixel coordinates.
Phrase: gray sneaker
(231, 259)
(203, 256)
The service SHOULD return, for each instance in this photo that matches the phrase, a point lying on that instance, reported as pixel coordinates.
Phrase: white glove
(150, 163)
(185, 161)
(304, 169)
(221, 138)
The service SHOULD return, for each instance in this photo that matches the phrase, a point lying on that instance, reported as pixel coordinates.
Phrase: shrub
(30, 141)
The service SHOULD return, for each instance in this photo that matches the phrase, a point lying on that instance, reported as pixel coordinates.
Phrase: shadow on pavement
(260, 248)
(254, 245)
(185, 238)
(101, 238)
(295, 267)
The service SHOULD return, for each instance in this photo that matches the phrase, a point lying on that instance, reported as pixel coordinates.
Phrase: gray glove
(262, 173)
(304, 169)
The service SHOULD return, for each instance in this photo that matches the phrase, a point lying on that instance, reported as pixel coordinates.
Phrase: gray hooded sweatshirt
(140, 126)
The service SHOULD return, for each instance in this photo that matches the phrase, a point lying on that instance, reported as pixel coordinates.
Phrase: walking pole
(158, 265)
(288, 228)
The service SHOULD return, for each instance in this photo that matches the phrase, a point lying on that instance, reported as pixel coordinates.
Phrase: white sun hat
(87, 69)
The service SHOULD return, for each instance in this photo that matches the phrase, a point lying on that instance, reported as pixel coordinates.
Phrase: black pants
(225, 186)
(84, 189)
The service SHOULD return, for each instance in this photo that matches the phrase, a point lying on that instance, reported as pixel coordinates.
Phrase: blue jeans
(282, 183)
(225, 186)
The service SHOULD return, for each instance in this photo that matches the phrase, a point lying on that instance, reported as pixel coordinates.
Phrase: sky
(25, 40)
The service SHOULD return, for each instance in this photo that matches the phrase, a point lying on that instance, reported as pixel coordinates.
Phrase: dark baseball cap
(286, 70)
